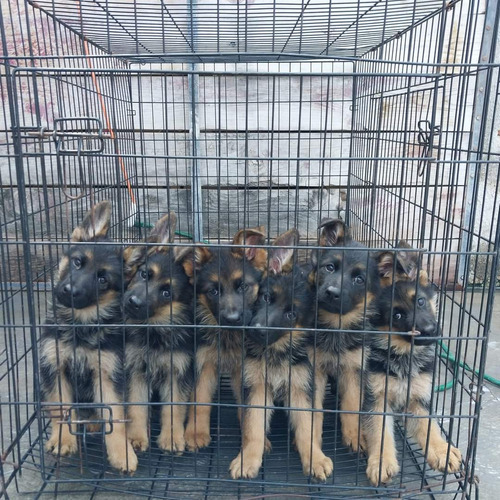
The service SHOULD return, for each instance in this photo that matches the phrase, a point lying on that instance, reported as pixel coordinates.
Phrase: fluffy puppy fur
(400, 368)
(227, 284)
(159, 354)
(81, 357)
(276, 366)
(346, 283)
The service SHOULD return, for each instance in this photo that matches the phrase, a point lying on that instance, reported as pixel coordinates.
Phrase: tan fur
(197, 433)
(253, 236)
(292, 380)
(314, 462)
(63, 265)
(423, 429)
(254, 423)
(381, 467)
(121, 454)
(90, 313)
(137, 428)
(345, 321)
(350, 391)
(61, 441)
(397, 394)
(200, 255)
(168, 314)
(171, 437)
(95, 223)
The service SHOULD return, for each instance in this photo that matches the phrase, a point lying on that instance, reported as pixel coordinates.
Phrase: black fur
(81, 353)
(149, 295)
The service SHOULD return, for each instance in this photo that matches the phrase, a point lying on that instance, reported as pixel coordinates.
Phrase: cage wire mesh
(237, 115)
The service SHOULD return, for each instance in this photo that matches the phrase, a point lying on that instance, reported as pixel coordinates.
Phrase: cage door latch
(426, 134)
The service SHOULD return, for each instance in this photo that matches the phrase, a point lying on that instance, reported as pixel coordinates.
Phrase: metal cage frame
(237, 115)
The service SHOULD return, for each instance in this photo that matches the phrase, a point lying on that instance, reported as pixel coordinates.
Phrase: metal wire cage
(238, 115)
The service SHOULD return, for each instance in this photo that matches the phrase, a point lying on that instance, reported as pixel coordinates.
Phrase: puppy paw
(94, 427)
(197, 440)
(437, 457)
(389, 469)
(320, 468)
(173, 443)
(267, 446)
(246, 469)
(123, 458)
(353, 439)
(67, 445)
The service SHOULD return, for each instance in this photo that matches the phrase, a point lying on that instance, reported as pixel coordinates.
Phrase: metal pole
(193, 81)
(479, 115)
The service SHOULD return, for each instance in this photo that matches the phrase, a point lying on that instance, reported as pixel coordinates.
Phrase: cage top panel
(204, 30)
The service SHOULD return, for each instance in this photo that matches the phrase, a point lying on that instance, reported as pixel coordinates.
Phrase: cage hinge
(426, 134)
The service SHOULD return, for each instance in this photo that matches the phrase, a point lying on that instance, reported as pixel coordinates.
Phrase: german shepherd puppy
(347, 283)
(227, 286)
(81, 358)
(276, 366)
(159, 356)
(401, 366)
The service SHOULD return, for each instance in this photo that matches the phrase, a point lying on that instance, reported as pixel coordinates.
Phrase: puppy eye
(397, 316)
(102, 280)
(166, 294)
(144, 274)
(77, 263)
(421, 301)
(330, 268)
(291, 315)
(359, 280)
(213, 292)
(243, 287)
(266, 298)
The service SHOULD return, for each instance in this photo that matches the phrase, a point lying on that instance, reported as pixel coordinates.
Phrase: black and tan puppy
(159, 352)
(400, 368)
(81, 358)
(347, 283)
(277, 367)
(227, 286)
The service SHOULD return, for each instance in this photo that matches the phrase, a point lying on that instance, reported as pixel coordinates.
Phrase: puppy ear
(133, 257)
(409, 261)
(280, 257)
(164, 230)
(95, 224)
(192, 258)
(334, 232)
(423, 278)
(162, 233)
(385, 262)
(254, 236)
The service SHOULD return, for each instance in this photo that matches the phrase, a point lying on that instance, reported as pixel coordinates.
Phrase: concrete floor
(488, 454)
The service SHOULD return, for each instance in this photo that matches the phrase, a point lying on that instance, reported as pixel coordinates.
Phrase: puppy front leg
(197, 433)
(137, 428)
(255, 422)
(120, 451)
(378, 431)
(423, 429)
(173, 416)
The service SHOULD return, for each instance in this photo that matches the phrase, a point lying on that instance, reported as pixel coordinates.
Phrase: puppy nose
(232, 317)
(135, 301)
(429, 329)
(333, 292)
(71, 290)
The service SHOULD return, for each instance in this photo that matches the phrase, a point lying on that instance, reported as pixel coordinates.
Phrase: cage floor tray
(204, 474)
